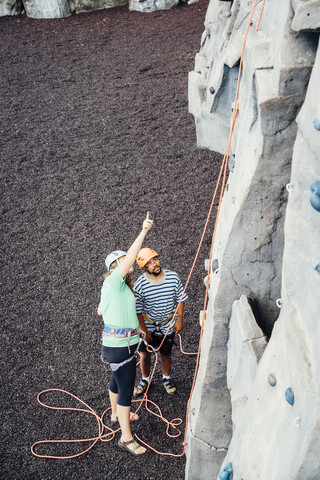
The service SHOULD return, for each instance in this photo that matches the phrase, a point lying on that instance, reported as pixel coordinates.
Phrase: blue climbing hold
(224, 475)
(316, 124)
(227, 472)
(315, 264)
(289, 396)
(315, 196)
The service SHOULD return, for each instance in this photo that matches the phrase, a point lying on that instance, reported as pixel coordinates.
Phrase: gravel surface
(95, 131)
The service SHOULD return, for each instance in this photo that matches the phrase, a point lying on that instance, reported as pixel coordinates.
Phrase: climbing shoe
(169, 387)
(141, 388)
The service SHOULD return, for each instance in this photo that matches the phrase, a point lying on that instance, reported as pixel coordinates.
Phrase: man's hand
(143, 327)
(148, 336)
(178, 326)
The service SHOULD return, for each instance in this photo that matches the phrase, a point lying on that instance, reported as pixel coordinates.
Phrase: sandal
(134, 417)
(170, 388)
(141, 388)
(133, 449)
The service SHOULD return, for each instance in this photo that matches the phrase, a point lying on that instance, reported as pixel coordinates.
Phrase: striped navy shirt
(159, 300)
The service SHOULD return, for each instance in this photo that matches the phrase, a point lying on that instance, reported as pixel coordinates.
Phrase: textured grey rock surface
(47, 8)
(87, 5)
(152, 5)
(54, 8)
(246, 345)
(307, 14)
(10, 7)
(268, 140)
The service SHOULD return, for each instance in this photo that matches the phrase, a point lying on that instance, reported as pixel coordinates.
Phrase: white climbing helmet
(114, 256)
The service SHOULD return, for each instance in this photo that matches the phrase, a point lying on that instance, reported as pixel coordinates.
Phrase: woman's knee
(124, 399)
(113, 387)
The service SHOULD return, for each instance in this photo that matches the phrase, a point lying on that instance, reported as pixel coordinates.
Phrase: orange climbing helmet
(144, 255)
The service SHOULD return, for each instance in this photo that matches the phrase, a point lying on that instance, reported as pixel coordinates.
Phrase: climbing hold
(289, 396)
(227, 472)
(272, 380)
(206, 36)
(212, 90)
(289, 187)
(215, 264)
(202, 317)
(228, 14)
(206, 264)
(297, 422)
(316, 124)
(315, 263)
(279, 302)
(231, 163)
(315, 196)
(224, 475)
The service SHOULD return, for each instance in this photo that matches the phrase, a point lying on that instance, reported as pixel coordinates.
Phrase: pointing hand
(147, 224)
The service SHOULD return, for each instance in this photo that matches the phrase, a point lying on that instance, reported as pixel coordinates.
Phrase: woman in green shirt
(120, 337)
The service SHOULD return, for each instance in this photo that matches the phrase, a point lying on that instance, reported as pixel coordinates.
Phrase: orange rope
(89, 410)
(262, 7)
(223, 170)
(174, 423)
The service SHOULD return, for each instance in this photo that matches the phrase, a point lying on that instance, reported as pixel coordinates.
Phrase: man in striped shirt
(158, 292)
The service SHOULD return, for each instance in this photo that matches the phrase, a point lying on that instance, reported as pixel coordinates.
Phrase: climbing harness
(120, 332)
(123, 333)
(115, 366)
(115, 332)
(226, 473)
(157, 323)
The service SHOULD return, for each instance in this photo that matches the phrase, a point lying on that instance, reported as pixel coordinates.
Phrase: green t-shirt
(118, 306)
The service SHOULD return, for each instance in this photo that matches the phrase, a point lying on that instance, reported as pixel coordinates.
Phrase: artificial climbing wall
(255, 411)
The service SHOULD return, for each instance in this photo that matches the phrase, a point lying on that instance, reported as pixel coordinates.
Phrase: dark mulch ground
(95, 130)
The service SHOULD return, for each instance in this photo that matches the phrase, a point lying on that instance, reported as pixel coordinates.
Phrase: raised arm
(129, 259)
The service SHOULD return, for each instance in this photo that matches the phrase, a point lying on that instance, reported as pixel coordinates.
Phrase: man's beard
(156, 273)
